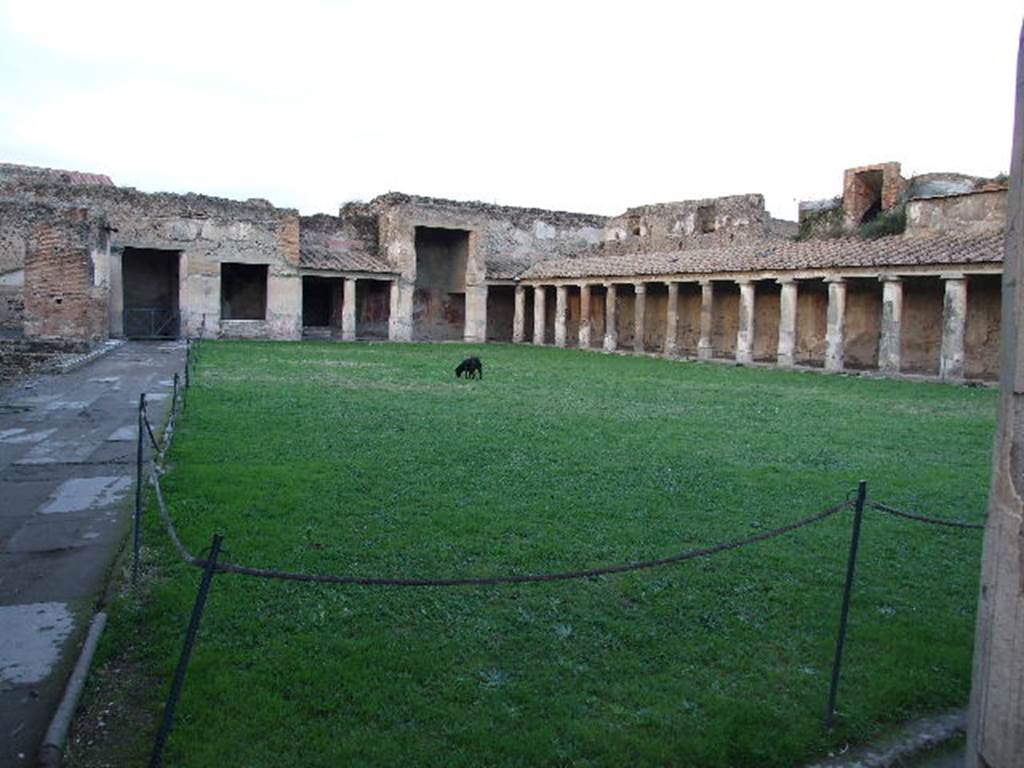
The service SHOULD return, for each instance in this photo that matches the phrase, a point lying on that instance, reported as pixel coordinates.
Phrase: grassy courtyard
(374, 460)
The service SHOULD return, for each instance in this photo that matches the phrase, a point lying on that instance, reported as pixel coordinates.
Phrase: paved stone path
(67, 464)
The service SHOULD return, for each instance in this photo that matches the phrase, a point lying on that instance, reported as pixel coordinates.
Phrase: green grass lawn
(374, 460)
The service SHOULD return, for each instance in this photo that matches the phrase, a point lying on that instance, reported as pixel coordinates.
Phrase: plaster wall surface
(811, 322)
(981, 334)
(500, 312)
(598, 299)
(921, 342)
(655, 316)
(626, 314)
(863, 323)
(688, 321)
(766, 320)
(725, 319)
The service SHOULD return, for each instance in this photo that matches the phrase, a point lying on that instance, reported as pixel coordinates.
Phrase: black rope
(458, 581)
(922, 519)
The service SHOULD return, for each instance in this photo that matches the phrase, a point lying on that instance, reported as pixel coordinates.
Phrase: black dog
(470, 366)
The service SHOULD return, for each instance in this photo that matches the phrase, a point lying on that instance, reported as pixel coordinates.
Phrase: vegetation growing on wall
(825, 223)
(891, 222)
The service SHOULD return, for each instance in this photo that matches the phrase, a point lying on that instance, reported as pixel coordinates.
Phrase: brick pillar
(707, 300)
(672, 320)
(585, 328)
(787, 322)
(835, 334)
(639, 316)
(519, 318)
(561, 310)
(890, 336)
(348, 310)
(539, 311)
(611, 332)
(745, 331)
(954, 320)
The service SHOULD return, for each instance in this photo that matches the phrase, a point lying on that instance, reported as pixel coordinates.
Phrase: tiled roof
(339, 255)
(782, 256)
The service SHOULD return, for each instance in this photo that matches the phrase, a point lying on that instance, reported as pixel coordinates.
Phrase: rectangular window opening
(243, 291)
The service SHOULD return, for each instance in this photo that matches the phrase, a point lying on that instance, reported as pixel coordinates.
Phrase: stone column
(787, 322)
(348, 310)
(115, 309)
(475, 330)
(672, 320)
(639, 316)
(519, 318)
(745, 331)
(561, 310)
(890, 337)
(611, 332)
(539, 311)
(585, 328)
(954, 322)
(707, 300)
(400, 319)
(835, 333)
(995, 720)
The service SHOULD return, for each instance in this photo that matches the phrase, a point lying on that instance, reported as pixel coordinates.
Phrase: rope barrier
(457, 581)
(922, 519)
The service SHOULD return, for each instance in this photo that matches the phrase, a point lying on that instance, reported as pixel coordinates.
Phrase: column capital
(581, 286)
(785, 280)
(640, 287)
(837, 279)
(743, 280)
(890, 278)
(670, 283)
(949, 276)
(705, 281)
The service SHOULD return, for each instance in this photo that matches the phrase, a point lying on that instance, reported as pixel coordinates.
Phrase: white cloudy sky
(586, 106)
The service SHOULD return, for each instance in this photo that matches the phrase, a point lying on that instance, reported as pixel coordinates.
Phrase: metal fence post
(186, 652)
(851, 567)
(188, 360)
(174, 395)
(137, 520)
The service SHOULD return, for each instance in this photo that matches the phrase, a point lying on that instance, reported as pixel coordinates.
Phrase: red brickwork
(61, 297)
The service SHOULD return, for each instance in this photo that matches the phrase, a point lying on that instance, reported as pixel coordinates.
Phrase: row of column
(890, 341)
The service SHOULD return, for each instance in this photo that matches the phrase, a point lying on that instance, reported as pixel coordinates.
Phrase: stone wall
(706, 223)
(972, 213)
(207, 231)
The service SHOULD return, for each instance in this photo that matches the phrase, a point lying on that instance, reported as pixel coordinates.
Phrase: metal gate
(151, 323)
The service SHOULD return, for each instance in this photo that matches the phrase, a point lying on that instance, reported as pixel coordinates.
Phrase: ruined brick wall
(862, 185)
(66, 288)
(692, 224)
(347, 242)
(207, 232)
(974, 213)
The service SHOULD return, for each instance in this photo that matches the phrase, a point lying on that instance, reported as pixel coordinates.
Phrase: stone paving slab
(67, 464)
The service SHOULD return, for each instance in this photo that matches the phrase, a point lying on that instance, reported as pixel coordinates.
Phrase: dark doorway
(150, 280)
(373, 309)
(439, 301)
(243, 291)
(501, 309)
(322, 299)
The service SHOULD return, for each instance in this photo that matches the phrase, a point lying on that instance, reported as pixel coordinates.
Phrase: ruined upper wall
(506, 240)
(11, 172)
(974, 213)
(705, 223)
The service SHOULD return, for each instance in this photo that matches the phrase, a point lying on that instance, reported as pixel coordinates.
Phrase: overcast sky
(582, 106)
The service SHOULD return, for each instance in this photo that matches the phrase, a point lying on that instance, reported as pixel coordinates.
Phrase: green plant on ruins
(824, 224)
(891, 222)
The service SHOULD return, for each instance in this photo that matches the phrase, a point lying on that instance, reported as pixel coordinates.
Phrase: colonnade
(890, 342)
